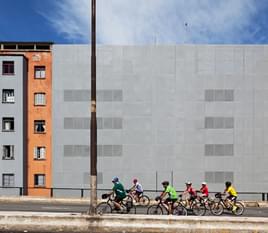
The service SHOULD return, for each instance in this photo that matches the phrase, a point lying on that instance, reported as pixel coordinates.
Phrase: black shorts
(138, 194)
(192, 198)
(232, 198)
(171, 200)
(118, 199)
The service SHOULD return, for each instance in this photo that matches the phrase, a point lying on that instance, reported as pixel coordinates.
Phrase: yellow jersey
(231, 190)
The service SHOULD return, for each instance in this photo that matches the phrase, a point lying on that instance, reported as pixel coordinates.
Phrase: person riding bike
(230, 190)
(119, 192)
(191, 191)
(137, 189)
(204, 190)
(172, 195)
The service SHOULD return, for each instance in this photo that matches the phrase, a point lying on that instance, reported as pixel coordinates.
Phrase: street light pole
(93, 122)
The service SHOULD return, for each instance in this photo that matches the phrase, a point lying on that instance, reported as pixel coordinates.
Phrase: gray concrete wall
(16, 111)
(63, 222)
(189, 112)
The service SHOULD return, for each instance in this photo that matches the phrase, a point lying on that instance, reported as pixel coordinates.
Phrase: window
(8, 96)
(39, 180)
(40, 72)
(8, 68)
(219, 95)
(219, 123)
(39, 152)
(39, 126)
(8, 124)
(8, 152)
(40, 99)
(219, 176)
(8, 180)
(219, 149)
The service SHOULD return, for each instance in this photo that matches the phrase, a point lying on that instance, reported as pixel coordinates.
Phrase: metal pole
(93, 122)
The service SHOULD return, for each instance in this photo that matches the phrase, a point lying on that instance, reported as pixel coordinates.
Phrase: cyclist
(119, 192)
(204, 190)
(137, 189)
(172, 196)
(230, 190)
(191, 191)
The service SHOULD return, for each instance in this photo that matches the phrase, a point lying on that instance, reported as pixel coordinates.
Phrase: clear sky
(136, 21)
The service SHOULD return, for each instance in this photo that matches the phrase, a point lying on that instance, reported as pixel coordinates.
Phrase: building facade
(13, 82)
(32, 80)
(177, 113)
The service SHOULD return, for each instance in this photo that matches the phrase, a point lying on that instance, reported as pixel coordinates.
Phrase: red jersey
(204, 190)
(191, 191)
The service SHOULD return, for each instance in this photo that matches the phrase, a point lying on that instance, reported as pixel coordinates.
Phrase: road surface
(82, 208)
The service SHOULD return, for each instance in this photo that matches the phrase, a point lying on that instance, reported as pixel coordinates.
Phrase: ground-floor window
(39, 180)
(8, 180)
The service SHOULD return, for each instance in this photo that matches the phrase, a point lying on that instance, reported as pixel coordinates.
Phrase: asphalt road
(82, 208)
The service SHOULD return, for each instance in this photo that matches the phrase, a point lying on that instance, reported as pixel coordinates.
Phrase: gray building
(13, 137)
(177, 113)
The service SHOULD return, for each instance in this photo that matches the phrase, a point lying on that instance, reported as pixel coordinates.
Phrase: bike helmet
(188, 183)
(204, 183)
(135, 180)
(115, 179)
(228, 183)
(165, 183)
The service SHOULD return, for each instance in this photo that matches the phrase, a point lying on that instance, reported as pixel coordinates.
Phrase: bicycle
(194, 206)
(160, 208)
(108, 206)
(207, 201)
(221, 204)
(143, 200)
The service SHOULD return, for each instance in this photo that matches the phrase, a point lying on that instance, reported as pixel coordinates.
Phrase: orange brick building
(37, 160)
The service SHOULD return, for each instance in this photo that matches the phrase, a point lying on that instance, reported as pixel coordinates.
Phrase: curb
(55, 223)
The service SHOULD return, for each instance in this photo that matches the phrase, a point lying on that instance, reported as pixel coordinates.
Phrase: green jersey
(171, 192)
(119, 190)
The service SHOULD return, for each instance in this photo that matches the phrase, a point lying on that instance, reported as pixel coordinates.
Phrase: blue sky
(137, 21)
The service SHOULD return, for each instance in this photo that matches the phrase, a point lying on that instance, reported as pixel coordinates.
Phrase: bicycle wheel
(239, 208)
(180, 211)
(154, 210)
(217, 209)
(198, 208)
(103, 208)
(131, 209)
(128, 199)
(144, 200)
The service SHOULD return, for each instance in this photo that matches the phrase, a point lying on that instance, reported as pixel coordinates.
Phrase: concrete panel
(163, 108)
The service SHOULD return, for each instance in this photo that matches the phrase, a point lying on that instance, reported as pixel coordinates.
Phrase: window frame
(10, 66)
(4, 119)
(9, 175)
(44, 126)
(11, 151)
(44, 98)
(36, 180)
(38, 70)
(4, 98)
(37, 153)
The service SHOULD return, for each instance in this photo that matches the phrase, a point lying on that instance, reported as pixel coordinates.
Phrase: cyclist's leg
(136, 195)
(166, 204)
(139, 195)
(234, 207)
(117, 204)
(173, 201)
